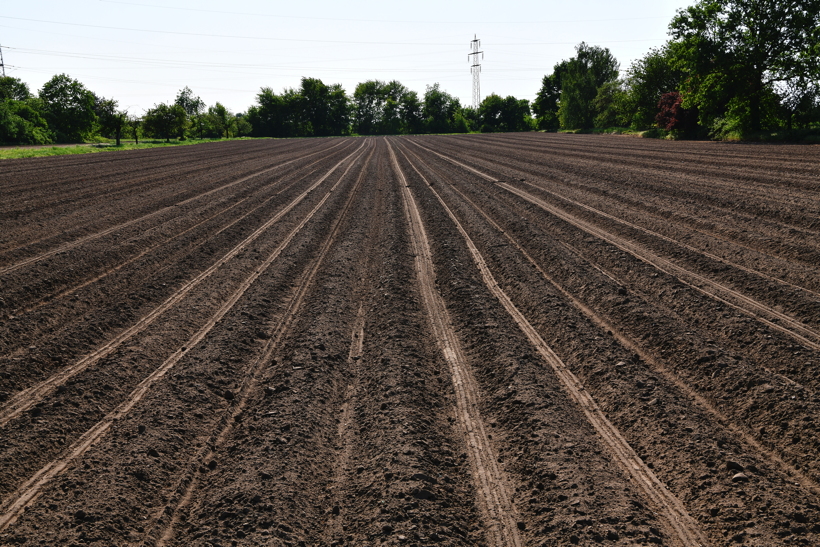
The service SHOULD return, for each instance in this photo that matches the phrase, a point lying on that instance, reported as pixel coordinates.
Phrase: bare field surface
(478, 340)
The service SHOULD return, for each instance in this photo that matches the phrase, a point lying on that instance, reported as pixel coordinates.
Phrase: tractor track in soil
(106, 179)
(758, 185)
(805, 301)
(25, 454)
(631, 192)
(575, 189)
(772, 318)
(168, 249)
(735, 416)
(678, 520)
(68, 219)
(491, 483)
(251, 376)
(67, 246)
(524, 339)
(33, 395)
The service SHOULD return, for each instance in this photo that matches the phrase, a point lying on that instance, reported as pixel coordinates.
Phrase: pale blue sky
(141, 52)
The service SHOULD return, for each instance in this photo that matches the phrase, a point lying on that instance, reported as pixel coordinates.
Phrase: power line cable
(268, 38)
(279, 16)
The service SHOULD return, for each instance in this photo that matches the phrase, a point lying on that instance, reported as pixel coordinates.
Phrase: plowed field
(479, 340)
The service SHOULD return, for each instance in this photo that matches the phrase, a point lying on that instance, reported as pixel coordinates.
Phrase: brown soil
(470, 340)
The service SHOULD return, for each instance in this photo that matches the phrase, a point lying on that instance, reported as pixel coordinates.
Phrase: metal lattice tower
(475, 68)
(2, 64)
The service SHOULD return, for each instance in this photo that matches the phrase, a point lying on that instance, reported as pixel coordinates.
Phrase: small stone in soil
(733, 466)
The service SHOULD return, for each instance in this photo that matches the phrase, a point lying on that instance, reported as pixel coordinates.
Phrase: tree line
(379, 108)
(65, 111)
(731, 68)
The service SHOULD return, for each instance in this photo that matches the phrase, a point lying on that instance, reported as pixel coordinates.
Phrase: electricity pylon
(475, 68)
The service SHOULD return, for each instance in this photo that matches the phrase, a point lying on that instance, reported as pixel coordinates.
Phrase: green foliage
(112, 121)
(510, 114)
(219, 122)
(22, 122)
(193, 107)
(134, 127)
(545, 105)
(315, 109)
(746, 57)
(800, 103)
(472, 116)
(323, 110)
(581, 77)
(191, 103)
(242, 126)
(13, 89)
(164, 121)
(655, 133)
(411, 110)
(647, 79)
(381, 108)
(368, 105)
(338, 105)
(68, 108)
(441, 112)
(272, 115)
(613, 105)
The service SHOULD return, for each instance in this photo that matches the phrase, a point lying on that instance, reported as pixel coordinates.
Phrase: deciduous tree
(193, 107)
(441, 111)
(545, 105)
(273, 115)
(647, 79)
(13, 89)
(112, 121)
(740, 56)
(221, 120)
(504, 114)
(134, 125)
(164, 120)
(613, 106)
(69, 108)
(22, 122)
(581, 78)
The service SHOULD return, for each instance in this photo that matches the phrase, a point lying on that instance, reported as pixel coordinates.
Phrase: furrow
(748, 305)
(679, 520)
(674, 241)
(490, 480)
(29, 491)
(77, 242)
(163, 527)
(27, 398)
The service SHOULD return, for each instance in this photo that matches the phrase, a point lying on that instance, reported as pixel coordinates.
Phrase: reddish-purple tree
(671, 114)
